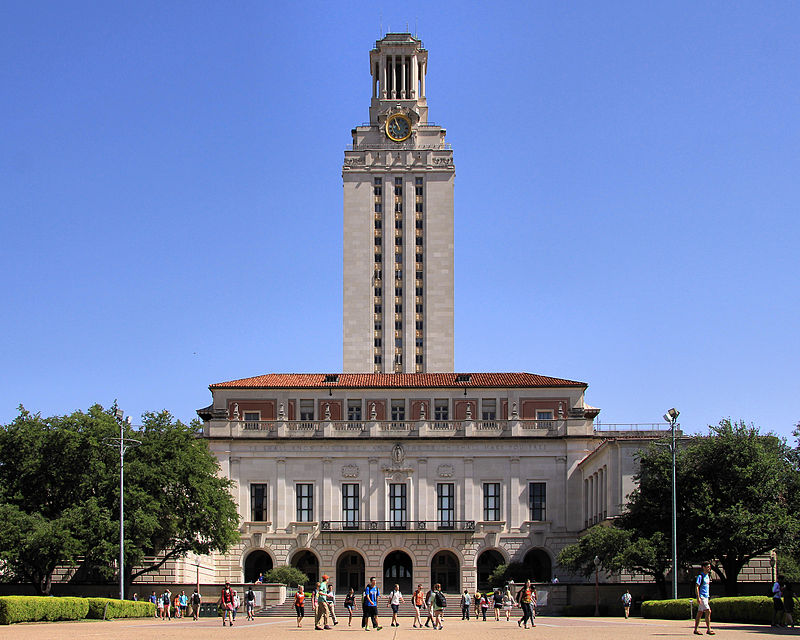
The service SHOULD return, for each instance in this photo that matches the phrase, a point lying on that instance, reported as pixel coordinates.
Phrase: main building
(400, 467)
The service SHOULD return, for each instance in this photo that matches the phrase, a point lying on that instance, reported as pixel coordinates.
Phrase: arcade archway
(538, 565)
(256, 563)
(308, 563)
(488, 561)
(350, 572)
(445, 571)
(398, 569)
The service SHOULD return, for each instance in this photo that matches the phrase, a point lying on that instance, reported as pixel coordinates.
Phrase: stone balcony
(394, 429)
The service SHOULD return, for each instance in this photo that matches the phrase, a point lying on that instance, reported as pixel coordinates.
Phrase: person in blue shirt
(701, 591)
(369, 605)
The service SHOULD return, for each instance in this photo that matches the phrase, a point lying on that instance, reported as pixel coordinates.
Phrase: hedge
(740, 609)
(37, 608)
(119, 608)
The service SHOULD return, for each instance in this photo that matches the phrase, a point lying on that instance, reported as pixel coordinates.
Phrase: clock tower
(398, 224)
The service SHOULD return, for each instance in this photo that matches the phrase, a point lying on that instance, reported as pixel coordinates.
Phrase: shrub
(119, 608)
(37, 608)
(739, 609)
(286, 575)
(680, 609)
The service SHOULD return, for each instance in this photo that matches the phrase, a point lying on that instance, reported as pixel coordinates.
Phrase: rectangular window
(377, 342)
(350, 505)
(354, 406)
(398, 342)
(418, 291)
(418, 257)
(306, 409)
(378, 223)
(398, 224)
(544, 415)
(305, 502)
(398, 274)
(419, 325)
(491, 501)
(398, 410)
(419, 358)
(378, 359)
(378, 325)
(537, 499)
(419, 275)
(419, 342)
(397, 506)
(441, 410)
(378, 257)
(398, 240)
(445, 504)
(398, 324)
(418, 224)
(378, 308)
(417, 180)
(398, 308)
(378, 208)
(251, 419)
(378, 241)
(419, 241)
(418, 190)
(419, 308)
(418, 208)
(488, 409)
(398, 257)
(398, 291)
(258, 502)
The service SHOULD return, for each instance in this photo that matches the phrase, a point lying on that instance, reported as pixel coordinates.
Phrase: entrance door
(445, 571)
(397, 569)
(350, 573)
(307, 562)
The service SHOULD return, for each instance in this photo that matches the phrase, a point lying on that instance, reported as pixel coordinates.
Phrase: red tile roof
(394, 380)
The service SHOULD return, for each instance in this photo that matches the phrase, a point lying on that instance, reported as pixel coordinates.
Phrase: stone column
(326, 493)
(393, 74)
(375, 485)
(469, 493)
(424, 72)
(383, 77)
(422, 490)
(514, 517)
(403, 93)
(280, 519)
(414, 76)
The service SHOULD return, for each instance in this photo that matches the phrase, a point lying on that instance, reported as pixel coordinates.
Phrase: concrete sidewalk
(454, 629)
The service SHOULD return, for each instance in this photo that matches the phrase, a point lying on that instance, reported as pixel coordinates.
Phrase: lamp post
(671, 417)
(596, 586)
(123, 443)
(772, 561)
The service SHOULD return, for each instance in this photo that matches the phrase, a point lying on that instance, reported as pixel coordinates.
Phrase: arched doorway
(307, 562)
(445, 571)
(488, 561)
(255, 563)
(538, 565)
(397, 569)
(350, 572)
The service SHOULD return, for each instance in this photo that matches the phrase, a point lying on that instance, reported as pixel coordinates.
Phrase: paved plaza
(278, 628)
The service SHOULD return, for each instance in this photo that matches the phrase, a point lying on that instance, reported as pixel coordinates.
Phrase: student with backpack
(466, 602)
(196, 599)
(419, 602)
(395, 598)
(439, 604)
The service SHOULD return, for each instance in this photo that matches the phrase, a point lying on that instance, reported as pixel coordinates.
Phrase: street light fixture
(597, 585)
(124, 444)
(671, 417)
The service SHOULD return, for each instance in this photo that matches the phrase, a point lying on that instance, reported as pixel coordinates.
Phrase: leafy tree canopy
(290, 576)
(59, 495)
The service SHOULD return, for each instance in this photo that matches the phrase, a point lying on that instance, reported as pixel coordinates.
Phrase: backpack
(440, 600)
(195, 598)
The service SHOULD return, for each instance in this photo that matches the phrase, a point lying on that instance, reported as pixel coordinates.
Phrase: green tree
(59, 495)
(290, 576)
(603, 542)
(737, 498)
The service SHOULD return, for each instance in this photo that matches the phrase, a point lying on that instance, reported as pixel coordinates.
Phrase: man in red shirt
(226, 601)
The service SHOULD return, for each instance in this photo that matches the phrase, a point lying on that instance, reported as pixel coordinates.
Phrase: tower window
(378, 359)
(398, 308)
(419, 241)
(378, 223)
(417, 180)
(419, 359)
(378, 241)
(398, 182)
(378, 207)
(398, 240)
(398, 224)
(398, 324)
(378, 257)
(377, 342)
(398, 291)
(399, 258)
(419, 325)
(419, 257)
(378, 291)
(378, 308)
(417, 207)
(419, 275)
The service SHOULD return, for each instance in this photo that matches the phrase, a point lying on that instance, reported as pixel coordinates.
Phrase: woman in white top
(395, 598)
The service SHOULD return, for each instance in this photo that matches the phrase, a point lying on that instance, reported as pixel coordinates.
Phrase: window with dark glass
(491, 501)
(305, 502)
(258, 502)
(398, 410)
(441, 410)
(537, 499)
(350, 505)
(354, 406)
(445, 504)
(397, 506)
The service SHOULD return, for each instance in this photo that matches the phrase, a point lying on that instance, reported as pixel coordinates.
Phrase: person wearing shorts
(497, 600)
(226, 602)
(349, 604)
(369, 605)
(701, 592)
(299, 605)
(395, 598)
(419, 602)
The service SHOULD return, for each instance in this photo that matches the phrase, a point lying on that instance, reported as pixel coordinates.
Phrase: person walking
(484, 605)
(497, 602)
(349, 604)
(429, 606)
(525, 600)
(237, 602)
(476, 599)
(250, 603)
(777, 602)
(226, 602)
(369, 605)
(508, 603)
(788, 604)
(323, 612)
(332, 602)
(701, 592)
(419, 601)
(394, 600)
(167, 598)
(196, 600)
(466, 603)
(299, 605)
(439, 604)
(626, 603)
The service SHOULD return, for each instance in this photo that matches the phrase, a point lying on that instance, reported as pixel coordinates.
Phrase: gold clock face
(398, 127)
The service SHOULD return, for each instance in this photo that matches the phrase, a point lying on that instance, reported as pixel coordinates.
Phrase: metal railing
(633, 426)
(398, 525)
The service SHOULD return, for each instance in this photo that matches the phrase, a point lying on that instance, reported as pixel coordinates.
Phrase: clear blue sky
(627, 196)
